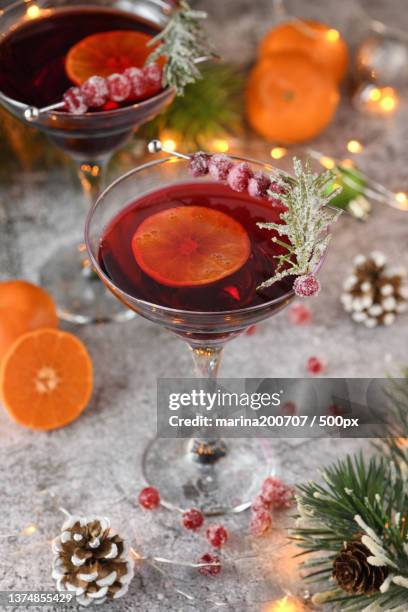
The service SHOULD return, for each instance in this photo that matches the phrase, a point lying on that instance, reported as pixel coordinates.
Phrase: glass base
(80, 295)
(226, 485)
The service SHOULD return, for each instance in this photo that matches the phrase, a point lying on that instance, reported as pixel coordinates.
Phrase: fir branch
(356, 499)
(306, 221)
(182, 42)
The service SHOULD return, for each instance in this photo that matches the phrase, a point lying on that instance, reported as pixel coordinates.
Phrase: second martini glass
(216, 475)
(34, 39)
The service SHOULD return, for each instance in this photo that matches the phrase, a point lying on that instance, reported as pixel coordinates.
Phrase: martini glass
(218, 476)
(89, 139)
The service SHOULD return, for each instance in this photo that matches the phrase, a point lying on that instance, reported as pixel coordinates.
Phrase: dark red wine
(32, 56)
(238, 290)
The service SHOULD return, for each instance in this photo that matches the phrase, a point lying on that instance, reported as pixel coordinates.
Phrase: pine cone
(91, 560)
(353, 573)
(374, 293)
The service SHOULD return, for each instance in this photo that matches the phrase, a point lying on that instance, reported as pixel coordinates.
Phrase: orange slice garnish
(105, 53)
(46, 379)
(190, 246)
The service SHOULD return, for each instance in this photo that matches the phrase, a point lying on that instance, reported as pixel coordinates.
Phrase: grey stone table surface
(93, 466)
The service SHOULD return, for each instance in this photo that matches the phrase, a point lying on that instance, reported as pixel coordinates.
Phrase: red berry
(154, 75)
(217, 535)
(289, 408)
(278, 494)
(193, 519)
(198, 164)
(299, 314)
(258, 185)
(261, 522)
(95, 91)
(210, 570)
(251, 330)
(149, 498)
(74, 101)
(220, 166)
(239, 176)
(315, 366)
(306, 285)
(259, 504)
(138, 82)
(119, 87)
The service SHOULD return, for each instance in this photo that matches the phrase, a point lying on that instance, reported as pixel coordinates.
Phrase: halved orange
(104, 53)
(46, 379)
(190, 246)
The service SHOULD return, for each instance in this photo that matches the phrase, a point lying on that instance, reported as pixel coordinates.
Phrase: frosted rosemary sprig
(306, 221)
(182, 42)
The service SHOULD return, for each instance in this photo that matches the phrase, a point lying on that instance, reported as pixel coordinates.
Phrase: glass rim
(167, 309)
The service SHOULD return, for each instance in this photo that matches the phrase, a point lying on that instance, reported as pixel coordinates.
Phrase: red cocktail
(41, 57)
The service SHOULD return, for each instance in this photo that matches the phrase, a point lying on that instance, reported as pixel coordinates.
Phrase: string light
(29, 530)
(332, 35)
(388, 100)
(169, 144)
(278, 152)
(347, 163)
(33, 11)
(380, 100)
(221, 145)
(286, 604)
(327, 162)
(354, 146)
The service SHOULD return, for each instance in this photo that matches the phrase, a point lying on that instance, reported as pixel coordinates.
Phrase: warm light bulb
(354, 146)
(169, 144)
(221, 145)
(33, 11)
(347, 163)
(388, 103)
(375, 94)
(286, 604)
(332, 35)
(29, 530)
(278, 152)
(327, 162)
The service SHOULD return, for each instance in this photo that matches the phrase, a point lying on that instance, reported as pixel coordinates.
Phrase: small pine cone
(374, 294)
(91, 560)
(353, 573)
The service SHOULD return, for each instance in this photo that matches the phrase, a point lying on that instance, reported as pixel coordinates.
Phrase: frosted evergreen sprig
(182, 42)
(305, 222)
(357, 499)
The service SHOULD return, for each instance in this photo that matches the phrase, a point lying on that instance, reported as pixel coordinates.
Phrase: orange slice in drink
(46, 379)
(105, 53)
(189, 246)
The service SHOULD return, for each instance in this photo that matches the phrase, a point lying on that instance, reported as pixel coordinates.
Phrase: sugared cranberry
(258, 185)
(95, 91)
(198, 164)
(239, 176)
(299, 314)
(119, 87)
(306, 285)
(315, 366)
(261, 522)
(149, 498)
(138, 82)
(154, 74)
(217, 535)
(193, 519)
(259, 504)
(219, 166)
(210, 570)
(276, 493)
(74, 101)
(288, 408)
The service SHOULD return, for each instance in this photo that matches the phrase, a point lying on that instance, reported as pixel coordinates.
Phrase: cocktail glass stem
(205, 449)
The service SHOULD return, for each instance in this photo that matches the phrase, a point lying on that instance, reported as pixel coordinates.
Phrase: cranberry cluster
(275, 495)
(132, 85)
(240, 177)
